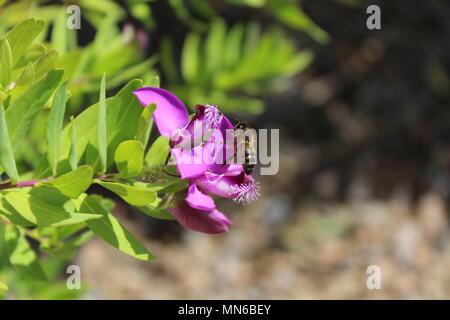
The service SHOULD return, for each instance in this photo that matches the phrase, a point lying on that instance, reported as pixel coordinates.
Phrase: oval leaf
(129, 158)
(111, 230)
(6, 152)
(136, 196)
(22, 35)
(38, 211)
(74, 183)
(24, 109)
(21, 256)
(157, 154)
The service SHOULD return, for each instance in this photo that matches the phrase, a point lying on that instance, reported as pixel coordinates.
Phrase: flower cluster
(200, 148)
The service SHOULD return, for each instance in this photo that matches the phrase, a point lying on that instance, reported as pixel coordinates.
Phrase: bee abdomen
(248, 168)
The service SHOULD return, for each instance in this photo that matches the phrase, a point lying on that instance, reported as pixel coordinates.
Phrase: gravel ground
(285, 246)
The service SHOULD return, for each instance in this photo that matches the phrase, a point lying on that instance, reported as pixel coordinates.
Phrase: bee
(248, 144)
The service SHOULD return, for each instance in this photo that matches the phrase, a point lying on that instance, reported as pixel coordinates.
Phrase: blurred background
(364, 119)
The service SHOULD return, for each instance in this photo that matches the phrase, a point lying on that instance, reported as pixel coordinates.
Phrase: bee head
(241, 125)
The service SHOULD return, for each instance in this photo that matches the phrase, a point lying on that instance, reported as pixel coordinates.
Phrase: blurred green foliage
(230, 67)
(288, 12)
(235, 67)
(113, 50)
(20, 287)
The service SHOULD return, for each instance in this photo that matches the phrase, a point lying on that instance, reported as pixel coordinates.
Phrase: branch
(22, 184)
(33, 183)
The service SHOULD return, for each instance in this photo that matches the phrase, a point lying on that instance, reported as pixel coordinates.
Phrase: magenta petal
(199, 200)
(210, 222)
(234, 169)
(191, 163)
(170, 114)
(222, 185)
(225, 124)
(228, 148)
(217, 184)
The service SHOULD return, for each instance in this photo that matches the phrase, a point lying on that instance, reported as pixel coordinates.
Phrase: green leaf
(22, 35)
(182, 12)
(145, 124)
(233, 45)
(97, 149)
(203, 8)
(190, 63)
(24, 109)
(164, 187)
(21, 256)
(168, 61)
(4, 257)
(65, 252)
(32, 54)
(6, 152)
(290, 14)
(70, 62)
(111, 230)
(74, 183)
(5, 62)
(157, 154)
(215, 46)
(253, 3)
(25, 78)
(3, 286)
(64, 231)
(299, 62)
(106, 7)
(67, 249)
(54, 126)
(252, 36)
(136, 196)
(114, 61)
(130, 72)
(155, 212)
(8, 212)
(153, 82)
(101, 126)
(45, 63)
(59, 32)
(129, 158)
(73, 160)
(175, 186)
(39, 210)
(123, 114)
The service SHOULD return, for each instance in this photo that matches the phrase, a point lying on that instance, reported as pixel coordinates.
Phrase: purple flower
(210, 221)
(200, 149)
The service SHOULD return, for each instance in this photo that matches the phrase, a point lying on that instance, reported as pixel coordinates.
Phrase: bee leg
(167, 159)
(171, 174)
(164, 169)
